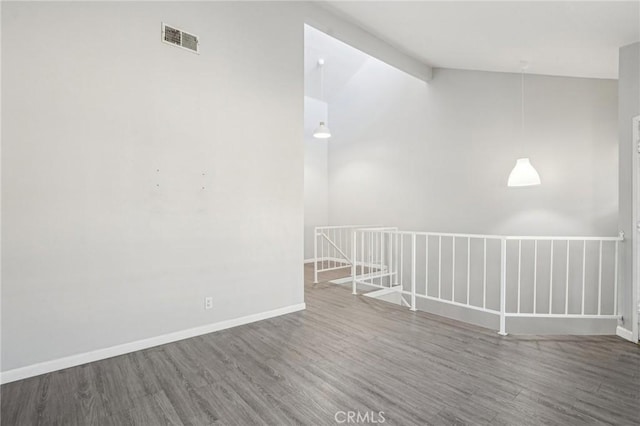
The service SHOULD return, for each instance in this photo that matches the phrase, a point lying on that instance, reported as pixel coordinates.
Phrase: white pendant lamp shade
(322, 131)
(523, 174)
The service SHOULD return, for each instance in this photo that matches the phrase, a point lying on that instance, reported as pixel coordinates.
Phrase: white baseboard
(384, 292)
(97, 355)
(625, 334)
(347, 280)
(326, 259)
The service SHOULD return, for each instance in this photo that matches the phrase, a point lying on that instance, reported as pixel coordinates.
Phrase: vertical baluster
(329, 248)
(503, 287)
(397, 260)
(391, 276)
(376, 245)
(584, 268)
(338, 256)
(615, 280)
(519, 268)
(377, 240)
(383, 262)
(354, 259)
(402, 261)
(380, 262)
(413, 271)
(551, 280)
(468, 268)
(362, 255)
(566, 293)
(322, 250)
(374, 254)
(351, 240)
(351, 245)
(439, 265)
(426, 265)
(535, 274)
(340, 244)
(453, 268)
(347, 244)
(326, 238)
(484, 273)
(370, 233)
(332, 248)
(315, 255)
(374, 250)
(329, 256)
(599, 277)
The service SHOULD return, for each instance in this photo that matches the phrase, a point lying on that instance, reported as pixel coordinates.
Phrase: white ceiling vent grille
(176, 37)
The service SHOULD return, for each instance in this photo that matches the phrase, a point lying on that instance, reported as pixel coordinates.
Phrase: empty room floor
(344, 354)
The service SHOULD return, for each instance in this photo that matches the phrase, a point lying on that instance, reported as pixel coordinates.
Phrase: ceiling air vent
(177, 37)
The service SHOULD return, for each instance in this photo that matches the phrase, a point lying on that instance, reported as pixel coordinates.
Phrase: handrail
(337, 255)
(547, 238)
(584, 294)
(508, 237)
(345, 226)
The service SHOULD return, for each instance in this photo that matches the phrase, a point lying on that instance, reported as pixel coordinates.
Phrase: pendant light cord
(522, 105)
(322, 81)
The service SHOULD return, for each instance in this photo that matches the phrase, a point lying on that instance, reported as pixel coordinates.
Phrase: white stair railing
(505, 276)
(375, 247)
(585, 287)
(332, 248)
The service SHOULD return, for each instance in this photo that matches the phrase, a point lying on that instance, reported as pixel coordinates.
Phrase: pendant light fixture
(523, 174)
(322, 131)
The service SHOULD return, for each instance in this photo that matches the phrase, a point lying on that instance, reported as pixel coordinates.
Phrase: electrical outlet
(208, 302)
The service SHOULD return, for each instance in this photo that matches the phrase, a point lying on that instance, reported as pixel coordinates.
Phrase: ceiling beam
(327, 21)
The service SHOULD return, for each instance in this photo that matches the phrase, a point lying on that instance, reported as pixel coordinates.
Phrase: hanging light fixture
(322, 131)
(523, 174)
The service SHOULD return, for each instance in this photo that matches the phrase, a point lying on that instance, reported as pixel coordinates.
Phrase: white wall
(316, 180)
(628, 107)
(437, 156)
(94, 253)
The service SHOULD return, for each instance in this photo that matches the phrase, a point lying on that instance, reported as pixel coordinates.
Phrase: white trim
(83, 358)
(384, 292)
(349, 279)
(625, 334)
(331, 259)
(495, 237)
(454, 303)
(329, 227)
(306, 261)
(345, 263)
(635, 222)
(560, 316)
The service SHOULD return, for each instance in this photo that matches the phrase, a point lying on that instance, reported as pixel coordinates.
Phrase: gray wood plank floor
(344, 353)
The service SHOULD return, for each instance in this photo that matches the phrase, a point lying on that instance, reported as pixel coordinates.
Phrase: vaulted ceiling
(571, 38)
(341, 62)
